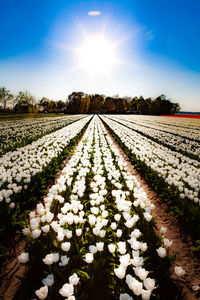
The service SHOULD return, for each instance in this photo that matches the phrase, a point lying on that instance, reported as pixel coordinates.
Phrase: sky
(130, 48)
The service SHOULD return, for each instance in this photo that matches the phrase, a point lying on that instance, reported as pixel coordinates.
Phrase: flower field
(175, 176)
(18, 133)
(91, 233)
(179, 136)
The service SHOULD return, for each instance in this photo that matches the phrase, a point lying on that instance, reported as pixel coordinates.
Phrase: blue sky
(157, 45)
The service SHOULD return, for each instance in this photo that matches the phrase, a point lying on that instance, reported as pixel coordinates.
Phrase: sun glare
(96, 54)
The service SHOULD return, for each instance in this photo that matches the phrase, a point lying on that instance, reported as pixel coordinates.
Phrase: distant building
(135, 112)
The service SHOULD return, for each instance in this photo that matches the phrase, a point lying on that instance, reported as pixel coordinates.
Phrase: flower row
(176, 138)
(176, 169)
(186, 128)
(19, 133)
(17, 168)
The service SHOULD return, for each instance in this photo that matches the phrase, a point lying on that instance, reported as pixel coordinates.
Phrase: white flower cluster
(167, 243)
(79, 218)
(179, 138)
(176, 169)
(18, 167)
(16, 132)
(187, 128)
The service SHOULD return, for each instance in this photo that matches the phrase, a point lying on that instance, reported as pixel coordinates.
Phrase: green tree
(175, 108)
(25, 102)
(96, 102)
(134, 103)
(60, 105)
(44, 104)
(163, 106)
(75, 104)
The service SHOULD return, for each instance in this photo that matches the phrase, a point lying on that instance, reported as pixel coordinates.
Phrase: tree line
(24, 102)
(79, 102)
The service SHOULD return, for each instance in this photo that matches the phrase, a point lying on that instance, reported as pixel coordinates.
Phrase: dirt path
(11, 271)
(182, 243)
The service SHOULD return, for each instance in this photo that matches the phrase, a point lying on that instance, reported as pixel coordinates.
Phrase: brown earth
(11, 272)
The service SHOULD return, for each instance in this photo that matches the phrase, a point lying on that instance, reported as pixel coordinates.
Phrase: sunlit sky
(130, 48)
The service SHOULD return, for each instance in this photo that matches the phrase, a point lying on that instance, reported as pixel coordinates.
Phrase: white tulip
(67, 290)
(147, 216)
(179, 271)
(146, 294)
(64, 261)
(119, 233)
(167, 242)
(89, 258)
(143, 246)
(93, 249)
(26, 231)
(125, 297)
(161, 252)
(141, 273)
(117, 217)
(42, 292)
(24, 257)
(69, 234)
(71, 298)
(111, 248)
(121, 247)
(65, 246)
(163, 230)
(78, 232)
(74, 279)
(49, 280)
(149, 283)
(56, 257)
(113, 225)
(49, 259)
(12, 205)
(100, 246)
(134, 285)
(45, 228)
(125, 260)
(120, 272)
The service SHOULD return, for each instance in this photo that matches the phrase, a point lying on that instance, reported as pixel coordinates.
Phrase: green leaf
(83, 274)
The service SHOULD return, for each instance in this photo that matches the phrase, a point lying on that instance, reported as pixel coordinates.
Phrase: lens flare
(96, 54)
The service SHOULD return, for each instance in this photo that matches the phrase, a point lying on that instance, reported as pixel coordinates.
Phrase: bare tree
(5, 96)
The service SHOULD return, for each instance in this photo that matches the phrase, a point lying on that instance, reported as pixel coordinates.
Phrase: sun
(96, 54)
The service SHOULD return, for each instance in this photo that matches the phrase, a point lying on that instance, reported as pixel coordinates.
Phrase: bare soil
(12, 272)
